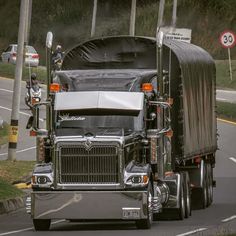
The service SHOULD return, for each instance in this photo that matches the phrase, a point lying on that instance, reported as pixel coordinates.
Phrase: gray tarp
(192, 73)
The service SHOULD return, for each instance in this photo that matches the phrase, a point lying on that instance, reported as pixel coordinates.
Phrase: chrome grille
(96, 165)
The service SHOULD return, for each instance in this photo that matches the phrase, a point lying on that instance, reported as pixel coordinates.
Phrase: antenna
(161, 13)
(95, 2)
(132, 18)
(174, 14)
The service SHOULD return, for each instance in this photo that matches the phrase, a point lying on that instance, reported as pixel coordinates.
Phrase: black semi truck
(130, 135)
(130, 131)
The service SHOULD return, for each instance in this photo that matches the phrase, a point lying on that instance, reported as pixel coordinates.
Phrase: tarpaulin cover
(132, 60)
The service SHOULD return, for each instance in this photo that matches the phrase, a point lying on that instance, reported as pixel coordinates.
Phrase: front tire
(181, 209)
(146, 223)
(41, 225)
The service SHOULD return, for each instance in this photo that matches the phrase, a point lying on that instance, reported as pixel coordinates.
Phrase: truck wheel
(187, 197)
(203, 190)
(181, 209)
(146, 223)
(209, 185)
(41, 225)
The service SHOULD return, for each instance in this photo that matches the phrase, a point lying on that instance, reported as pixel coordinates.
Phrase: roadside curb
(9, 205)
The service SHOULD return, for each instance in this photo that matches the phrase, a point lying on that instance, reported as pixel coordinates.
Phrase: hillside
(70, 21)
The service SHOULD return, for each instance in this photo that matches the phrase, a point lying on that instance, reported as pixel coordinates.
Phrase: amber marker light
(169, 133)
(33, 133)
(54, 88)
(145, 179)
(147, 87)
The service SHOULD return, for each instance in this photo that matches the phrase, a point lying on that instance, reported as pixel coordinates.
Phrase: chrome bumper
(89, 205)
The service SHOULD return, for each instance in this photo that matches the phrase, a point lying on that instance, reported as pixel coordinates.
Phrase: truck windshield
(93, 122)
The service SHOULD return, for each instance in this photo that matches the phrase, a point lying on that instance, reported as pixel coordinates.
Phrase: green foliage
(226, 110)
(7, 191)
(223, 76)
(8, 70)
(10, 172)
(4, 133)
(70, 21)
(15, 171)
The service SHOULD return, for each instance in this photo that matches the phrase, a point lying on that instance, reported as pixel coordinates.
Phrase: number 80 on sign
(227, 39)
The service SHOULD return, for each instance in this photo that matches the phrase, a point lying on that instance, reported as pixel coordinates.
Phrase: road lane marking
(6, 90)
(17, 231)
(221, 99)
(27, 229)
(226, 91)
(229, 219)
(233, 159)
(227, 121)
(192, 232)
(23, 150)
(21, 112)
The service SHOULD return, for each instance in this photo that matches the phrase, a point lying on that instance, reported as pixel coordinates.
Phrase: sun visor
(121, 102)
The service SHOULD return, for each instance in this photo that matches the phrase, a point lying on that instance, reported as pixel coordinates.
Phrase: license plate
(131, 213)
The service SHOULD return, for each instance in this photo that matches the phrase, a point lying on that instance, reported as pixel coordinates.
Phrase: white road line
(229, 219)
(233, 159)
(6, 90)
(192, 232)
(17, 231)
(27, 229)
(21, 112)
(221, 99)
(23, 150)
(226, 91)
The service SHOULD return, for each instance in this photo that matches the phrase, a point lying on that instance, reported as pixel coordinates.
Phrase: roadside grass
(223, 80)
(4, 133)
(226, 110)
(222, 73)
(12, 172)
(8, 71)
(8, 191)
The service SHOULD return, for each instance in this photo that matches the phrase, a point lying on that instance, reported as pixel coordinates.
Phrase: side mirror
(35, 122)
(49, 40)
(30, 122)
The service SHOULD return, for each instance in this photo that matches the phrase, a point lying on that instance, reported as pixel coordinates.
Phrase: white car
(31, 56)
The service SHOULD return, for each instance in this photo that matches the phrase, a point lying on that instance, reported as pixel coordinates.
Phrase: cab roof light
(54, 88)
(147, 87)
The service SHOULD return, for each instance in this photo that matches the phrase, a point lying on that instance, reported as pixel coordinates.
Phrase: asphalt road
(226, 96)
(26, 144)
(219, 218)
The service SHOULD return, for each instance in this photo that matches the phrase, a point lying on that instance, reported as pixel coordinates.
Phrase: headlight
(136, 179)
(42, 180)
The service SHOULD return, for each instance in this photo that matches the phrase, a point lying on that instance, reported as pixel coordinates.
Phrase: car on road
(31, 56)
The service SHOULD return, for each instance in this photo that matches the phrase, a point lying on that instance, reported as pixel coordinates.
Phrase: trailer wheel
(203, 190)
(209, 184)
(146, 223)
(42, 224)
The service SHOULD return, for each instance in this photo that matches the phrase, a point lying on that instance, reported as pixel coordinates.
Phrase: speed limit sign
(227, 39)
